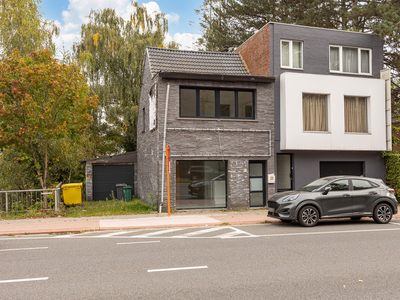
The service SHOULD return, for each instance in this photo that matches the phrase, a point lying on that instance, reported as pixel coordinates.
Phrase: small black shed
(104, 173)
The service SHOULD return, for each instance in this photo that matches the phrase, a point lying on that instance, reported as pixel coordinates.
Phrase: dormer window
(350, 60)
(291, 54)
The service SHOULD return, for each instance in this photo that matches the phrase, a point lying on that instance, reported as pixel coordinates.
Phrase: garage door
(331, 168)
(105, 177)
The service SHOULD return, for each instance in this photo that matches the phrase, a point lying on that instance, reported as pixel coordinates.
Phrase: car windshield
(313, 185)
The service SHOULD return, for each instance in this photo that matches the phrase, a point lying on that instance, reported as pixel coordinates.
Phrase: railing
(20, 201)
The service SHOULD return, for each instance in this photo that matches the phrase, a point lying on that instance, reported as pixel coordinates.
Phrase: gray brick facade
(236, 141)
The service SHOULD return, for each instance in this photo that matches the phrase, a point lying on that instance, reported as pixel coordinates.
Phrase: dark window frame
(217, 103)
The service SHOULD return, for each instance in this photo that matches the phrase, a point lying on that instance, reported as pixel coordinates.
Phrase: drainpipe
(164, 151)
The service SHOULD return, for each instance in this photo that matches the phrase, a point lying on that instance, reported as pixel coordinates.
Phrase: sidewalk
(180, 219)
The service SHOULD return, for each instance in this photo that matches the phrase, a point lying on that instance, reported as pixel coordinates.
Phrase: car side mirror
(326, 190)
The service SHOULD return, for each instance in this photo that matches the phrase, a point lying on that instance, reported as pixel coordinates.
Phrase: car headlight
(290, 198)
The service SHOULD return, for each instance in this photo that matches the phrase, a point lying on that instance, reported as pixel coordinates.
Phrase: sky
(183, 22)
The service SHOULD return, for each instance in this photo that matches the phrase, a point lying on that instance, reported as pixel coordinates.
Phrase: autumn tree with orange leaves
(41, 101)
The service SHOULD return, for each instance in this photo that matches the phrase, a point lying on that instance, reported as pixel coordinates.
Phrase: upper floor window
(315, 112)
(216, 103)
(291, 54)
(350, 60)
(355, 114)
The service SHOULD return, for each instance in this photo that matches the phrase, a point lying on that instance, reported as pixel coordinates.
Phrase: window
(355, 114)
(315, 112)
(216, 103)
(144, 120)
(200, 184)
(292, 54)
(340, 185)
(361, 184)
(350, 60)
(152, 108)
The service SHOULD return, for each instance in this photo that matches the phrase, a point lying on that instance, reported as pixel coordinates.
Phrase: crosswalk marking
(193, 233)
(235, 233)
(113, 234)
(158, 232)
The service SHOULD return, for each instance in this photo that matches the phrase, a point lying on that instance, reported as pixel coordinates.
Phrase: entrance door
(284, 172)
(257, 184)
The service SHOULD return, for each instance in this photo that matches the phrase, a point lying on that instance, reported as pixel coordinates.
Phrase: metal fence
(25, 200)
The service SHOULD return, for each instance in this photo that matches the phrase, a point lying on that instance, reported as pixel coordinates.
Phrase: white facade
(292, 87)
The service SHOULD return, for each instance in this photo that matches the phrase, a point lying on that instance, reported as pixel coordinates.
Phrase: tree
(22, 27)
(41, 101)
(111, 53)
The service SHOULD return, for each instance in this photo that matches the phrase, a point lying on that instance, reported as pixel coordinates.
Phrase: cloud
(172, 17)
(186, 40)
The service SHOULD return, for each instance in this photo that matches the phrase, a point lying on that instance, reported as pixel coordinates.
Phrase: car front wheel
(383, 213)
(308, 216)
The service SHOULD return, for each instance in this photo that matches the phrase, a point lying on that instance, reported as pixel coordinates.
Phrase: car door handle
(372, 193)
(346, 195)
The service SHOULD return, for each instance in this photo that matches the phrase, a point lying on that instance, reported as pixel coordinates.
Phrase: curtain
(334, 59)
(297, 55)
(350, 60)
(355, 112)
(285, 54)
(365, 61)
(315, 112)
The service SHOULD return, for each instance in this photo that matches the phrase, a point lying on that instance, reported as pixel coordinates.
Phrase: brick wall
(256, 52)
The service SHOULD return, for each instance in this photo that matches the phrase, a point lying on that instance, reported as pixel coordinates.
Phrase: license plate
(271, 209)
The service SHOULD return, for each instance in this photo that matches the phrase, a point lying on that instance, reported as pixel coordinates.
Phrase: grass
(87, 209)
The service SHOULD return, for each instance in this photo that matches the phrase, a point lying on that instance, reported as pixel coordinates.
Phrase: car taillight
(391, 190)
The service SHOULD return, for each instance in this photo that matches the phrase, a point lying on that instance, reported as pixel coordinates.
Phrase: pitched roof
(187, 61)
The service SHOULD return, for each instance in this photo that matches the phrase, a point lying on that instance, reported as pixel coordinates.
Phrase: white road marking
(177, 269)
(113, 234)
(158, 232)
(19, 249)
(129, 243)
(235, 233)
(198, 232)
(22, 280)
(394, 223)
(328, 232)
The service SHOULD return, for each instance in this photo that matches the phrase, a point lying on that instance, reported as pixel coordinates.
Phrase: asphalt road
(334, 260)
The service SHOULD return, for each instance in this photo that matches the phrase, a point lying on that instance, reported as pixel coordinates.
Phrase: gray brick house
(219, 125)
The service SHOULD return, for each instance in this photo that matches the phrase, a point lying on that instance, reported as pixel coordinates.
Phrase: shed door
(105, 177)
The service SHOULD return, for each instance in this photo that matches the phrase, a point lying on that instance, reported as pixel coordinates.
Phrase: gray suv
(335, 197)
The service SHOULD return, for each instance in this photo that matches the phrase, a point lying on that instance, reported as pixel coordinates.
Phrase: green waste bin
(72, 193)
(128, 193)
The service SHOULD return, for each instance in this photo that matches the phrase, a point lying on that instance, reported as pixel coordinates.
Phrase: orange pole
(168, 194)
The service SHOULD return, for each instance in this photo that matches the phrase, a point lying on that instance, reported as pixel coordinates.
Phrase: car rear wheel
(383, 213)
(308, 216)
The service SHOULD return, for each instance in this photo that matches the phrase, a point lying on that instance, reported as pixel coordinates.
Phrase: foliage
(42, 102)
(22, 27)
(111, 54)
(152, 200)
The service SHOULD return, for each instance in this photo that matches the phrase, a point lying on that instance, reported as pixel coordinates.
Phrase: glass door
(257, 184)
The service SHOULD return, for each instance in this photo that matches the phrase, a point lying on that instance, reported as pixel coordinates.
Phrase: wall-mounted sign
(271, 178)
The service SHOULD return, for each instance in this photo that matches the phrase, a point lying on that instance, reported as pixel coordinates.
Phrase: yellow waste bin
(72, 193)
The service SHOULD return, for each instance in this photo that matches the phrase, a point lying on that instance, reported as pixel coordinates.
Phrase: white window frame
(359, 60)
(153, 107)
(291, 55)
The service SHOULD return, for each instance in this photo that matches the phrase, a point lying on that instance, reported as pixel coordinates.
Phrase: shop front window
(200, 184)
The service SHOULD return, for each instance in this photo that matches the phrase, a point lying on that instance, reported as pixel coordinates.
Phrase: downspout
(164, 151)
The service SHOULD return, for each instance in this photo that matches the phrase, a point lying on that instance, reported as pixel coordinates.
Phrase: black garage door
(105, 177)
(330, 168)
